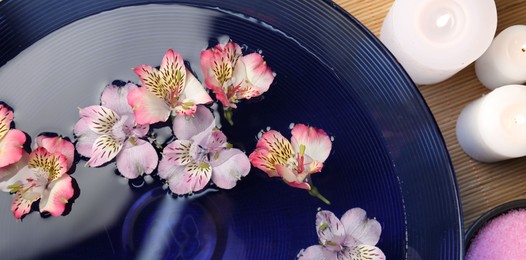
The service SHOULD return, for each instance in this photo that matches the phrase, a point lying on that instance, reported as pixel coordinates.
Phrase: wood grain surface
(482, 186)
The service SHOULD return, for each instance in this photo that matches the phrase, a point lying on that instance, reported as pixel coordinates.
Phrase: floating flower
(110, 131)
(168, 91)
(232, 76)
(44, 176)
(293, 161)
(200, 154)
(352, 237)
(11, 140)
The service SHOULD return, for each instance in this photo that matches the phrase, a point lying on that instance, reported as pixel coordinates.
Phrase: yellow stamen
(132, 141)
(323, 226)
(14, 188)
(302, 149)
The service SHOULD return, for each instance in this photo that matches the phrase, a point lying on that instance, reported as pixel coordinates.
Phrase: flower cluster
(122, 129)
(41, 175)
(119, 128)
(109, 131)
(354, 236)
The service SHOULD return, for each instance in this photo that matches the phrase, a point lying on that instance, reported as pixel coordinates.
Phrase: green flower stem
(314, 192)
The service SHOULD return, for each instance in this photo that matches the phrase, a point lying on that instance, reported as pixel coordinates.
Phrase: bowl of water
(388, 155)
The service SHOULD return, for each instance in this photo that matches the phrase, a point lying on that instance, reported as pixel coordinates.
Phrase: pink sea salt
(504, 237)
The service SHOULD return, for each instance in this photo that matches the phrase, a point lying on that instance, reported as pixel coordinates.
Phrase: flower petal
(136, 158)
(58, 145)
(220, 94)
(54, 164)
(360, 229)
(151, 81)
(207, 61)
(140, 130)
(147, 107)
(228, 166)
(56, 196)
(104, 150)
(216, 141)
(85, 144)
(277, 145)
(194, 91)
(330, 230)
(317, 143)
(82, 127)
(194, 127)
(168, 170)
(316, 252)
(246, 92)
(8, 173)
(116, 98)
(11, 147)
(258, 73)
(197, 175)
(6, 117)
(173, 74)
(232, 51)
(290, 178)
(178, 152)
(265, 161)
(186, 108)
(361, 252)
(21, 204)
(99, 119)
(194, 177)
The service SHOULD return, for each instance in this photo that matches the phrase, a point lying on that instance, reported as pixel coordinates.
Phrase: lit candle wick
(443, 20)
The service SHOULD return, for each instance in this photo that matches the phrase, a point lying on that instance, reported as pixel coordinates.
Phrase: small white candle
(434, 39)
(504, 62)
(493, 127)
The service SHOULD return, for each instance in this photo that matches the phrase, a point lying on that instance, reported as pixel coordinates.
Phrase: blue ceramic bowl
(388, 155)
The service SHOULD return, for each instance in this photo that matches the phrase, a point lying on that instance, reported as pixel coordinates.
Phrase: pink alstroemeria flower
(200, 154)
(168, 91)
(11, 140)
(43, 176)
(352, 238)
(232, 76)
(110, 131)
(293, 161)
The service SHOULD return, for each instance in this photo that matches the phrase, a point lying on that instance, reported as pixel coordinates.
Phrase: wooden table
(482, 186)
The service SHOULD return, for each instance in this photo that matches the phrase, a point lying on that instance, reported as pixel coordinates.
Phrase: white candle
(434, 39)
(504, 62)
(493, 128)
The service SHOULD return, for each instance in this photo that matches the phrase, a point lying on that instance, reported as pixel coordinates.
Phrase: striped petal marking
(105, 148)
(6, 117)
(361, 252)
(54, 164)
(173, 75)
(197, 175)
(168, 82)
(100, 119)
(178, 152)
(22, 202)
(271, 150)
